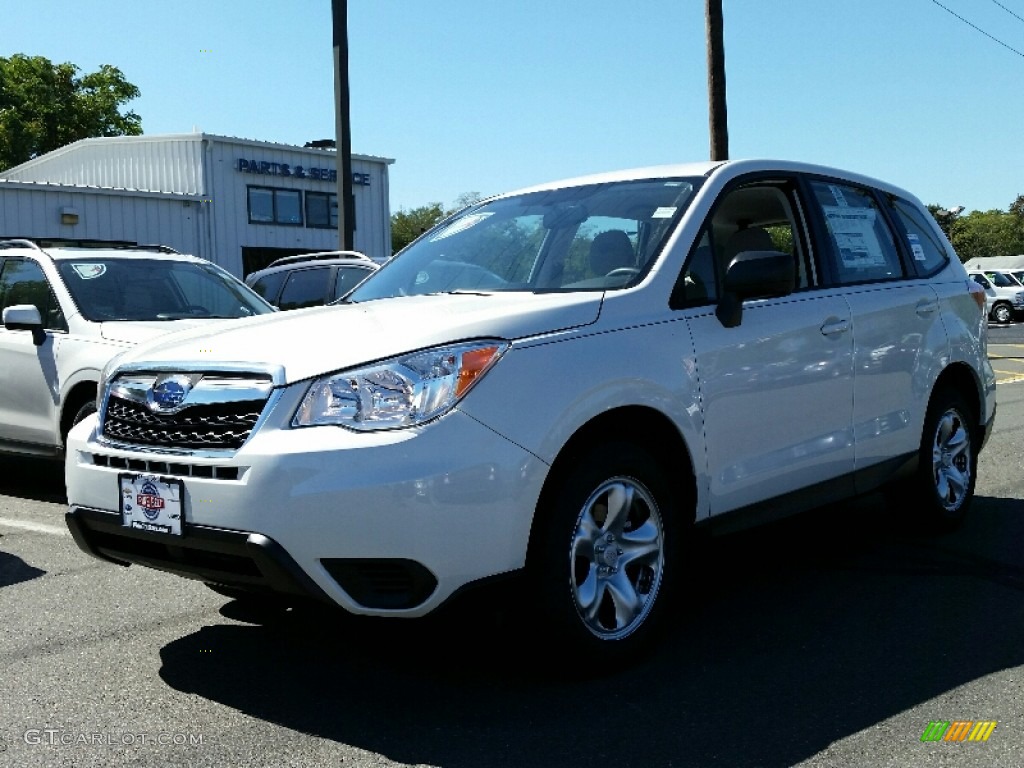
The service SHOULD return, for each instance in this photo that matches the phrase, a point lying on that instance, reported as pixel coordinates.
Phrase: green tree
(44, 106)
(945, 217)
(406, 226)
(988, 233)
(1017, 207)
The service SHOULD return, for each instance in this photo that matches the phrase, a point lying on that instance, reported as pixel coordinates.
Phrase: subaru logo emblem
(168, 393)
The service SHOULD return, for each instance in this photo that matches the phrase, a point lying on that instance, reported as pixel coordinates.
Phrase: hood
(138, 331)
(310, 342)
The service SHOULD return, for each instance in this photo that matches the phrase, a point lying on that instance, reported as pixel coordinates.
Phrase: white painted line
(25, 525)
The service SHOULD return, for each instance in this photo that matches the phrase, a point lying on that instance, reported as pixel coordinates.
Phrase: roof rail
(320, 255)
(159, 248)
(19, 242)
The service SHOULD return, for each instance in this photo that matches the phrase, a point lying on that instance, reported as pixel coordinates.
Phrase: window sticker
(854, 232)
(837, 195)
(664, 212)
(461, 225)
(89, 271)
(915, 247)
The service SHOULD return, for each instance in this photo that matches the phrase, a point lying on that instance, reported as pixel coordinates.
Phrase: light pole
(718, 123)
(346, 210)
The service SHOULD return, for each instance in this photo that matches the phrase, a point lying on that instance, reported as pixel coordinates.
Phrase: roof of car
(707, 168)
(325, 258)
(320, 256)
(59, 253)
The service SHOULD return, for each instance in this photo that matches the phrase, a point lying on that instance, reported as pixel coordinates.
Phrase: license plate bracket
(151, 503)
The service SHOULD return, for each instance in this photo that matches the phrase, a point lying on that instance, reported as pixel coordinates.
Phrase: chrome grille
(218, 413)
(221, 425)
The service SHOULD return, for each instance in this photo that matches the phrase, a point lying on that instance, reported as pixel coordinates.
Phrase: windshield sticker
(461, 225)
(915, 247)
(89, 271)
(854, 232)
(664, 212)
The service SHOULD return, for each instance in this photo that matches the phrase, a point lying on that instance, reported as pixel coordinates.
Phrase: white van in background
(1004, 294)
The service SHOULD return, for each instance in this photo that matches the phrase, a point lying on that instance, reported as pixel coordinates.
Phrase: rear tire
(943, 486)
(604, 563)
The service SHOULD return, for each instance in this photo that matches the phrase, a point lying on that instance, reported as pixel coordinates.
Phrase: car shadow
(14, 570)
(36, 479)
(789, 638)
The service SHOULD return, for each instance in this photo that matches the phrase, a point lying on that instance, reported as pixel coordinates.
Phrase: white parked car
(1004, 295)
(562, 382)
(67, 311)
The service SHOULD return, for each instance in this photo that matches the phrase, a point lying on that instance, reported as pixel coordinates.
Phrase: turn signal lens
(977, 293)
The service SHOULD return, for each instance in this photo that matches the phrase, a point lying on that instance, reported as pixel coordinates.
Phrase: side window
(981, 280)
(926, 248)
(269, 286)
(756, 217)
(23, 282)
(699, 284)
(861, 247)
(348, 278)
(305, 288)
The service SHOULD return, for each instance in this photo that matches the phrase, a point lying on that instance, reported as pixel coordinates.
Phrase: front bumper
(385, 523)
(215, 555)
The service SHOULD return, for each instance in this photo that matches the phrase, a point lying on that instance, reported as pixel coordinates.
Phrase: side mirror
(25, 317)
(754, 275)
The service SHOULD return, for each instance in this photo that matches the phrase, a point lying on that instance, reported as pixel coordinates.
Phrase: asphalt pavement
(830, 639)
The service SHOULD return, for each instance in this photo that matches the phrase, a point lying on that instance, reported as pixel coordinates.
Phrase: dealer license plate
(151, 503)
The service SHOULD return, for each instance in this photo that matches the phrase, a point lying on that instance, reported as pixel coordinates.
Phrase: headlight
(403, 392)
(105, 374)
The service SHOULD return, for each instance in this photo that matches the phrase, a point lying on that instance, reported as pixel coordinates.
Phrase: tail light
(977, 293)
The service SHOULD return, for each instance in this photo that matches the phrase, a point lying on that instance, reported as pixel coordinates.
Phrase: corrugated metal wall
(34, 211)
(171, 163)
(203, 166)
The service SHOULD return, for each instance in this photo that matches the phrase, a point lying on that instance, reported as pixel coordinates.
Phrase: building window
(321, 210)
(275, 206)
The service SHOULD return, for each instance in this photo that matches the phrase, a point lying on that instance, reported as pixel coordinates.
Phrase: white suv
(68, 311)
(560, 382)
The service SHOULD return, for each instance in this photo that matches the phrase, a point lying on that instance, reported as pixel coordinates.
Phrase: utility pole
(718, 122)
(342, 124)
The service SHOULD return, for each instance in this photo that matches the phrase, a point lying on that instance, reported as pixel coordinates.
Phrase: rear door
(871, 247)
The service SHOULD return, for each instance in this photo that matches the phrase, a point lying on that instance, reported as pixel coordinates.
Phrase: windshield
(587, 238)
(156, 289)
(1002, 280)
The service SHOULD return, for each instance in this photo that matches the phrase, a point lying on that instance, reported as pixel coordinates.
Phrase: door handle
(833, 326)
(926, 307)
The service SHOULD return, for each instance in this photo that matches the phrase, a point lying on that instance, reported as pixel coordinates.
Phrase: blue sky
(487, 96)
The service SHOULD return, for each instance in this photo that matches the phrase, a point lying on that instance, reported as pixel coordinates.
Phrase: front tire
(1002, 314)
(605, 562)
(947, 464)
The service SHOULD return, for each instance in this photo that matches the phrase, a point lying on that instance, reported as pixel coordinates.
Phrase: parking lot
(1006, 351)
(831, 639)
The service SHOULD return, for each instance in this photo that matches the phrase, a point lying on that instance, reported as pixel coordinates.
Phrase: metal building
(237, 202)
